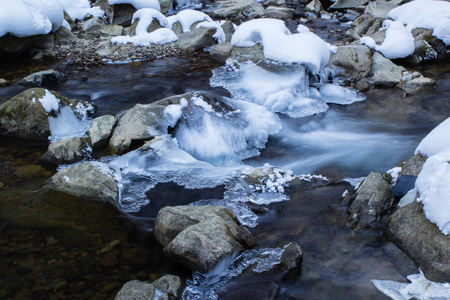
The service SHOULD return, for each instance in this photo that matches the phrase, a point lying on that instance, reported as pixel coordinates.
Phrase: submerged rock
(91, 179)
(67, 151)
(43, 78)
(421, 240)
(200, 236)
(166, 287)
(373, 198)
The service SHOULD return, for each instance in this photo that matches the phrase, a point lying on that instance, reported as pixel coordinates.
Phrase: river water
(55, 246)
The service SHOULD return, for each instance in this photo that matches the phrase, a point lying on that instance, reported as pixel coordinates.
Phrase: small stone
(362, 86)
(3, 82)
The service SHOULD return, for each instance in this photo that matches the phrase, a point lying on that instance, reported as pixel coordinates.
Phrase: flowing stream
(67, 247)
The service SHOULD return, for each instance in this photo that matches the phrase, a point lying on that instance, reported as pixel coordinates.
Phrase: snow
(49, 102)
(159, 36)
(175, 111)
(280, 45)
(395, 173)
(436, 141)
(219, 35)
(428, 14)
(433, 185)
(145, 17)
(187, 18)
(138, 4)
(78, 9)
(398, 42)
(419, 288)
(23, 18)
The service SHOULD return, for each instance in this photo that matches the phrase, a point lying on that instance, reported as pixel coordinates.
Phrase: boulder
(380, 9)
(168, 286)
(64, 34)
(67, 151)
(291, 261)
(200, 236)
(101, 129)
(315, 7)
(221, 52)
(372, 200)
(356, 60)
(197, 39)
(237, 9)
(228, 29)
(282, 13)
(123, 14)
(24, 115)
(43, 78)
(341, 4)
(91, 179)
(112, 30)
(421, 240)
(254, 53)
(428, 47)
(93, 25)
(165, 5)
(107, 8)
(385, 72)
(413, 166)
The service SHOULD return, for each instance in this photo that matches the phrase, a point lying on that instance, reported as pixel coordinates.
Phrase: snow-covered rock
(43, 78)
(436, 141)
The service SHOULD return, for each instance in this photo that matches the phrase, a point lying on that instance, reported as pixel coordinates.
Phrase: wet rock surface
(199, 237)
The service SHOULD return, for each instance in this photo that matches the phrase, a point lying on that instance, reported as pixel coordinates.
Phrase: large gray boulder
(385, 72)
(197, 39)
(101, 129)
(372, 200)
(169, 287)
(24, 115)
(421, 240)
(282, 13)
(67, 151)
(93, 180)
(356, 60)
(380, 9)
(200, 236)
(238, 9)
(43, 78)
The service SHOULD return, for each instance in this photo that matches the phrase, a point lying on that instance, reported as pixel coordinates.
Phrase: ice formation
(419, 288)
(430, 14)
(138, 4)
(286, 91)
(49, 102)
(23, 18)
(280, 45)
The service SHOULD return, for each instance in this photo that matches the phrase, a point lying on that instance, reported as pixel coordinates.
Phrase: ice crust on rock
(419, 288)
(23, 18)
(429, 14)
(286, 91)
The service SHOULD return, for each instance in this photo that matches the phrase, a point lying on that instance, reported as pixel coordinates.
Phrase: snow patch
(49, 102)
(138, 4)
(78, 9)
(436, 141)
(187, 18)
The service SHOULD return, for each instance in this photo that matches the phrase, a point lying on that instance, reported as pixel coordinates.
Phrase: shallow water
(55, 246)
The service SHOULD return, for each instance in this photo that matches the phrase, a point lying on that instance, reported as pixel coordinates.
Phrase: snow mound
(187, 18)
(23, 18)
(419, 288)
(138, 4)
(436, 141)
(398, 43)
(78, 9)
(428, 14)
(280, 45)
(433, 185)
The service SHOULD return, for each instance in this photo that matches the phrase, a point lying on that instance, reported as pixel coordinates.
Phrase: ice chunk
(49, 102)
(436, 141)
(280, 45)
(66, 124)
(433, 185)
(138, 4)
(187, 18)
(419, 288)
(30, 17)
(332, 93)
(428, 14)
